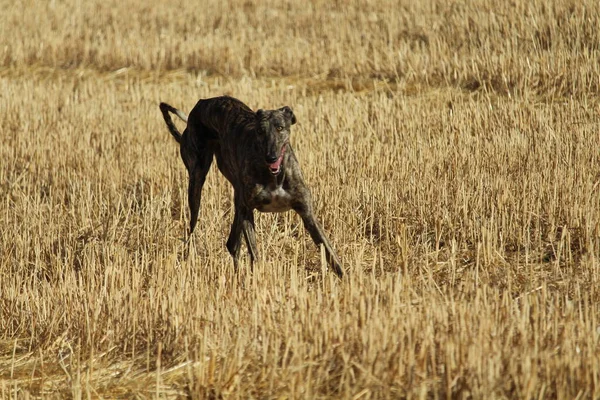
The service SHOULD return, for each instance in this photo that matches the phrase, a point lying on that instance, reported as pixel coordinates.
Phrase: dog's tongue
(275, 166)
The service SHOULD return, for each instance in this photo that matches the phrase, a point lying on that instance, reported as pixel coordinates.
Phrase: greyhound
(253, 152)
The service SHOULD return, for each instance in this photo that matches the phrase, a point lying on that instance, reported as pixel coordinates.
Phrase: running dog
(253, 152)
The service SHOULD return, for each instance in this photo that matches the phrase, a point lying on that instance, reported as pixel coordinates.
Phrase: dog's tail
(166, 109)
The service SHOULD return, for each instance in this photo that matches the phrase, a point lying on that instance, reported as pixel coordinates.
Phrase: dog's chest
(274, 200)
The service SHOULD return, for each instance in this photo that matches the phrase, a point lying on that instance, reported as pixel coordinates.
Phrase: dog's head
(274, 132)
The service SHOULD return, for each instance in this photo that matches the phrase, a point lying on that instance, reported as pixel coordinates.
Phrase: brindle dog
(254, 154)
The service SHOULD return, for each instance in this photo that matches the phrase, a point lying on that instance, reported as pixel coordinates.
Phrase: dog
(253, 152)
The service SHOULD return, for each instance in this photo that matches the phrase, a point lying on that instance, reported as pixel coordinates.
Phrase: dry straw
(452, 150)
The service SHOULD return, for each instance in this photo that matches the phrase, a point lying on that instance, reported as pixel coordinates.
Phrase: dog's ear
(289, 114)
(260, 113)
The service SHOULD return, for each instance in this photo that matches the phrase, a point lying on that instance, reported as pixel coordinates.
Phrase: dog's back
(221, 114)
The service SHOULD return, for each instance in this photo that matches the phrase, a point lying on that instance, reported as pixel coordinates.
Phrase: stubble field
(453, 152)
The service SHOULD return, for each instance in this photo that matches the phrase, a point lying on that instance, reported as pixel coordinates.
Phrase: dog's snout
(271, 158)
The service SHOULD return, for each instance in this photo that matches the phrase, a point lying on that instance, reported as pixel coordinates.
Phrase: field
(453, 153)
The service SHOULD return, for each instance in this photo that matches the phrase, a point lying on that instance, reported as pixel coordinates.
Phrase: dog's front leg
(316, 233)
(243, 222)
(234, 241)
(248, 227)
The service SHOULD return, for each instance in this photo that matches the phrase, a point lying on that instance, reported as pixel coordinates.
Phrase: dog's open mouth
(276, 166)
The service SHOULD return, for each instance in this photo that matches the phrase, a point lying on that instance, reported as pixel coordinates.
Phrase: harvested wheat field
(453, 153)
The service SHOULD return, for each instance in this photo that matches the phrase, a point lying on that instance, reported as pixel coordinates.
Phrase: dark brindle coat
(254, 154)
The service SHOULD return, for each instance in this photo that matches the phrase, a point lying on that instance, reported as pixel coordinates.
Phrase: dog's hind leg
(197, 173)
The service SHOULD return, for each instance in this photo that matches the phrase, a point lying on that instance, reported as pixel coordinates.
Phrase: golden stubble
(452, 152)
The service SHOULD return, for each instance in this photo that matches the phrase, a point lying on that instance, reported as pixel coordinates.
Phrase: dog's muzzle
(274, 162)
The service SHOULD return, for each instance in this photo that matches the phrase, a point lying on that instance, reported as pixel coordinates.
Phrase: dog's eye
(280, 128)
